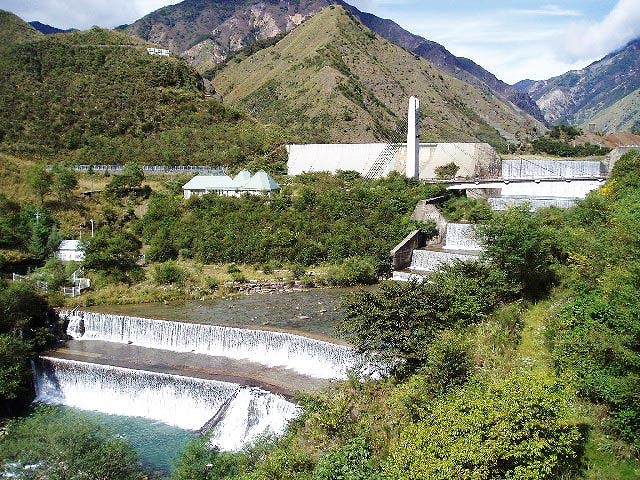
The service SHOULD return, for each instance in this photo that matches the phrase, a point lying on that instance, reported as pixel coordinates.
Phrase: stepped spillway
(239, 414)
(461, 236)
(305, 355)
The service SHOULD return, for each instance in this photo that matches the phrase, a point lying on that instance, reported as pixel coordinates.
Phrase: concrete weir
(233, 383)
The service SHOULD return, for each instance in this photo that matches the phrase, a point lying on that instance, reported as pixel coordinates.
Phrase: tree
(113, 252)
(200, 461)
(27, 326)
(54, 444)
(519, 427)
(65, 181)
(39, 181)
(515, 242)
(397, 324)
(126, 182)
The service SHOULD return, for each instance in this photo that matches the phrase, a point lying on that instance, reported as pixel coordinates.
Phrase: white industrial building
(243, 183)
(70, 251)
(375, 160)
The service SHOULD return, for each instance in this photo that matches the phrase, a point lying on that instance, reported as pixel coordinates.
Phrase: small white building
(259, 184)
(163, 52)
(70, 251)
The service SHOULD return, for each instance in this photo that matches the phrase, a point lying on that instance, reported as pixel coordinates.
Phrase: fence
(152, 169)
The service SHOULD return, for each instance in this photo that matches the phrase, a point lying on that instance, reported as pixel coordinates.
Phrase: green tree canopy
(113, 252)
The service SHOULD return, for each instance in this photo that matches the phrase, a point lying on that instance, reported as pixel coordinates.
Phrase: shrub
(168, 273)
(519, 427)
(353, 271)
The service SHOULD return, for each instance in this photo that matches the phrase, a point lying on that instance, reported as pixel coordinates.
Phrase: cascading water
(461, 236)
(242, 413)
(430, 260)
(308, 356)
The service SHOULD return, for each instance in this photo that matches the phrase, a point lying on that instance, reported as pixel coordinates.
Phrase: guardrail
(151, 169)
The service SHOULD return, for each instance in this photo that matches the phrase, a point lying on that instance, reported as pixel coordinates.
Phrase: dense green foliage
(27, 326)
(461, 208)
(398, 324)
(97, 97)
(114, 253)
(318, 218)
(516, 428)
(516, 243)
(559, 141)
(55, 445)
(594, 335)
(29, 229)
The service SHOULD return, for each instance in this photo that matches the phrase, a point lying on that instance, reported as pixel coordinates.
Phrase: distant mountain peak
(48, 29)
(333, 79)
(205, 32)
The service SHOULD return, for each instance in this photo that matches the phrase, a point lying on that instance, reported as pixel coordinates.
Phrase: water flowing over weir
(461, 236)
(308, 356)
(234, 414)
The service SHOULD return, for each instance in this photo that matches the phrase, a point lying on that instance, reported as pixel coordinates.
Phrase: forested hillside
(99, 97)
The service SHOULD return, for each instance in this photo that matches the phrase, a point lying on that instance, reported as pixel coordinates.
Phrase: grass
(605, 458)
(200, 282)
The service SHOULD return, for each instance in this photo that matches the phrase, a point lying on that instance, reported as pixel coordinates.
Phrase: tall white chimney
(413, 139)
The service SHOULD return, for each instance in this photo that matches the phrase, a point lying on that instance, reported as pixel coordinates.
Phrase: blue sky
(514, 39)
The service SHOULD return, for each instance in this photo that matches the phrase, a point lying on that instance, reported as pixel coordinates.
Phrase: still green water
(315, 312)
(158, 445)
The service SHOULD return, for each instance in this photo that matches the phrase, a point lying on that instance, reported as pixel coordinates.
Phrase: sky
(514, 39)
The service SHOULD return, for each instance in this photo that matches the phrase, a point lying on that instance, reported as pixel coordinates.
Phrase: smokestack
(413, 139)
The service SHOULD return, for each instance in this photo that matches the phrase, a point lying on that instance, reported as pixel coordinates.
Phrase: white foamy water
(241, 413)
(461, 236)
(304, 355)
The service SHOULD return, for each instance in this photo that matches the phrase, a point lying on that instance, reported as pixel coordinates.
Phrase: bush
(447, 172)
(516, 243)
(397, 324)
(51, 444)
(352, 461)
(519, 427)
(353, 271)
(168, 273)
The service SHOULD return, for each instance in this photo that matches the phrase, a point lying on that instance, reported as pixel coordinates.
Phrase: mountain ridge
(332, 70)
(587, 96)
(217, 29)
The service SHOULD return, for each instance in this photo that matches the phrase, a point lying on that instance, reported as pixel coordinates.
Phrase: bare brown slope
(332, 79)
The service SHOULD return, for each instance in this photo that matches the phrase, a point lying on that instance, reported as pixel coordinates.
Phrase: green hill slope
(99, 97)
(14, 30)
(332, 79)
(624, 115)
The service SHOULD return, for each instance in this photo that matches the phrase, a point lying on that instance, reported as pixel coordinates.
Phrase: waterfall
(461, 236)
(184, 402)
(430, 260)
(308, 356)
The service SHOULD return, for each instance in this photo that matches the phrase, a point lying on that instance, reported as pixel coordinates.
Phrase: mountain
(333, 79)
(14, 30)
(98, 96)
(206, 31)
(603, 93)
(48, 29)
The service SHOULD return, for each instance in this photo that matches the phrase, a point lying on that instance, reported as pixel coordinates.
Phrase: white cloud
(83, 13)
(548, 10)
(588, 40)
